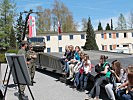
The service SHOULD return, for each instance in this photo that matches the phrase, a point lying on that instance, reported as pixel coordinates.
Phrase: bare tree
(130, 20)
(47, 19)
(40, 20)
(84, 24)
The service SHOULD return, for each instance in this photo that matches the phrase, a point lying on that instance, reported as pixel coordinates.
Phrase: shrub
(2, 58)
(12, 51)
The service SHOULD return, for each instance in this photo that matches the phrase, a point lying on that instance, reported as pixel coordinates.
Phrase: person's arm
(123, 85)
(105, 70)
(118, 79)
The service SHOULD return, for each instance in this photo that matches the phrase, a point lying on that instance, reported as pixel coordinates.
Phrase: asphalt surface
(47, 87)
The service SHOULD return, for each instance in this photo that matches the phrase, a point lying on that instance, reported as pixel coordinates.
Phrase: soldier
(23, 51)
(32, 67)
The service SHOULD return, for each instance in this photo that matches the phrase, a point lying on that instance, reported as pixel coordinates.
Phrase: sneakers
(69, 78)
(89, 98)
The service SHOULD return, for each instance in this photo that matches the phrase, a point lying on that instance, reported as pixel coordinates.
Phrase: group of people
(118, 81)
(30, 56)
(77, 66)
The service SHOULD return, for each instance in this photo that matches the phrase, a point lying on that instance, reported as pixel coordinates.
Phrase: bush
(12, 51)
(2, 58)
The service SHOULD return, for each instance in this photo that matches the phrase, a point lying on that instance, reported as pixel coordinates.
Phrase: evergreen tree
(100, 26)
(7, 14)
(90, 38)
(111, 24)
(108, 26)
(12, 39)
(121, 22)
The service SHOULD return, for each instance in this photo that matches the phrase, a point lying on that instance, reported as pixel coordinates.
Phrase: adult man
(32, 67)
(23, 51)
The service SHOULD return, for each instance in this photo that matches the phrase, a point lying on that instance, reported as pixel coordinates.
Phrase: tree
(111, 25)
(107, 27)
(40, 20)
(12, 39)
(90, 38)
(130, 21)
(47, 19)
(84, 24)
(61, 13)
(121, 22)
(100, 26)
(7, 14)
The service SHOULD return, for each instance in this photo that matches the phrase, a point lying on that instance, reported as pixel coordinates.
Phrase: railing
(49, 62)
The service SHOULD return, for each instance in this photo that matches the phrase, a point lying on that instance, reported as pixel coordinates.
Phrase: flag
(32, 27)
(59, 28)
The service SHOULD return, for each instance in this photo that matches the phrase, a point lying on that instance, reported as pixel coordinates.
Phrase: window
(110, 35)
(117, 45)
(48, 38)
(132, 34)
(71, 37)
(117, 35)
(60, 37)
(102, 47)
(102, 35)
(125, 35)
(60, 49)
(125, 45)
(110, 46)
(82, 36)
(48, 49)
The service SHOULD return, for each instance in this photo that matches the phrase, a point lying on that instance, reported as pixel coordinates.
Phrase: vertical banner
(32, 27)
(59, 27)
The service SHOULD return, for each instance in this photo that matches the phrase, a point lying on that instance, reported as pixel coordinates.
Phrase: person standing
(32, 67)
(23, 52)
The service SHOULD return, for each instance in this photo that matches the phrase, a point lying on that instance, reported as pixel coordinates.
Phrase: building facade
(57, 43)
(113, 40)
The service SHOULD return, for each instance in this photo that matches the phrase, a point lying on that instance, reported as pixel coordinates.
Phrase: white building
(113, 40)
(57, 43)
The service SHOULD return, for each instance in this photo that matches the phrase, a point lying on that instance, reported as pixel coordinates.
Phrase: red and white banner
(59, 28)
(32, 26)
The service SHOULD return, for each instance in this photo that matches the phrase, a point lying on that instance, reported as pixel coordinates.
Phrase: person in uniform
(23, 51)
(32, 67)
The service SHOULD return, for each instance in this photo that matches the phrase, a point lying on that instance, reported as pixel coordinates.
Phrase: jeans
(120, 93)
(126, 97)
(83, 80)
(109, 91)
(67, 66)
(96, 86)
(76, 80)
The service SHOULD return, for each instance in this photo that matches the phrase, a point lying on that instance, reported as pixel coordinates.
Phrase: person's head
(130, 74)
(77, 48)
(30, 47)
(113, 64)
(66, 48)
(82, 55)
(117, 67)
(24, 45)
(103, 58)
(71, 48)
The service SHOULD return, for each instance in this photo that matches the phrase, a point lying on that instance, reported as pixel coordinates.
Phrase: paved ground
(46, 88)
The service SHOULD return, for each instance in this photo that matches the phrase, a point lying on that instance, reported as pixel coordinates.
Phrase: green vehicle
(38, 43)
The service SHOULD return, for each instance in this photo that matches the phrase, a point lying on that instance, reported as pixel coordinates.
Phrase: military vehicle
(38, 43)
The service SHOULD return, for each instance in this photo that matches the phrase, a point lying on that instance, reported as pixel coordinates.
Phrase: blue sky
(98, 10)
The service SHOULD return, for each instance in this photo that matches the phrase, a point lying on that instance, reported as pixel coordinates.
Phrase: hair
(86, 59)
(103, 57)
(117, 67)
(130, 74)
(23, 44)
(66, 48)
(71, 47)
(78, 47)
